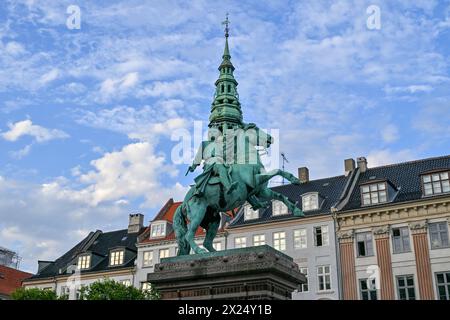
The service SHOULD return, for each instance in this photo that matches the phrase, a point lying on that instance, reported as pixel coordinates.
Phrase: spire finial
(226, 23)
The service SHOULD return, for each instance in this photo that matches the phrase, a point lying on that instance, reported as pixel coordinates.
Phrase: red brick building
(10, 280)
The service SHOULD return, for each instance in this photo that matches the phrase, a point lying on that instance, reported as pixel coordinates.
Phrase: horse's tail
(180, 227)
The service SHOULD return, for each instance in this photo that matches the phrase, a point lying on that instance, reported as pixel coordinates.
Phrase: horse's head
(261, 138)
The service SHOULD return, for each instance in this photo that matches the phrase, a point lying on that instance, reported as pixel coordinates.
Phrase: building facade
(100, 255)
(394, 232)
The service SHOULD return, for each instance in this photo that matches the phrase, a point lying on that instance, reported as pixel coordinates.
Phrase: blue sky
(86, 115)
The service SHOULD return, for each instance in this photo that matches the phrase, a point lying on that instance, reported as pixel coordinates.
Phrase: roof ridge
(410, 162)
(314, 180)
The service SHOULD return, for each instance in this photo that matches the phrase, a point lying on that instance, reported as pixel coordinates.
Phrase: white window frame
(436, 183)
(325, 236)
(301, 238)
(158, 229)
(279, 240)
(161, 255)
(240, 242)
(147, 258)
(442, 228)
(249, 213)
(368, 239)
(117, 257)
(217, 245)
(374, 193)
(279, 208)
(259, 240)
(310, 201)
(84, 262)
(126, 282)
(321, 272)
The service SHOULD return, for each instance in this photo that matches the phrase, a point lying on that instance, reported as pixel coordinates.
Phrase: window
(64, 291)
(125, 282)
(84, 262)
(158, 230)
(164, 253)
(436, 183)
(443, 285)
(116, 258)
(240, 242)
(279, 241)
(310, 202)
(364, 244)
(300, 240)
(367, 289)
(374, 193)
(304, 286)
(321, 236)
(222, 88)
(147, 258)
(438, 235)
(217, 245)
(229, 88)
(250, 214)
(279, 208)
(259, 240)
(405, 285)
(400, 240)
(324, 277)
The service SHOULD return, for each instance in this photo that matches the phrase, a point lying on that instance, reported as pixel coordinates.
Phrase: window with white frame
(279, 241)
(126, 282)
(364, 244)
(64, 291)
(400, 240)
(321, 237)
(217, 245)
(324, 278)
(405, 286)
(436, 183)
(84, 262)
(164, 253)
(367, 289)
(158, 229)
(443, 285)
(304, 287)
(310, 201)
(374, 193)
(147, 258)
(116, 258)
(145, 286)
(438, 235)
(240, 242)
(279, 208)
(249, 213)
(300, 239)
(259, 240)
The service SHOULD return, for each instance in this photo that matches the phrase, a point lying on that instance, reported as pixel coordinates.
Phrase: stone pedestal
(255, 273)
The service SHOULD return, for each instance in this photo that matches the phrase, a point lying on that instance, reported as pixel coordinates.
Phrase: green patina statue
(232, 173)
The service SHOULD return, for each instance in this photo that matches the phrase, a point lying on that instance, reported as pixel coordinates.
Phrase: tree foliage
(111, 290)
(34, 294)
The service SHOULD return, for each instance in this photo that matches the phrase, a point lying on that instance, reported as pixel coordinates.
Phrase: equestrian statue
(233, 173)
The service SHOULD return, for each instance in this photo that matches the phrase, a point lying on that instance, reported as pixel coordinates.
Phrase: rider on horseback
(211, 151)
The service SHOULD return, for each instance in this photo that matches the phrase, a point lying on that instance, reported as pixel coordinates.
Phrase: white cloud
(27, 128)
(386, 156)
(116, 87)
(49, 76)
(389, 133)
(19, 154)
(14, 48)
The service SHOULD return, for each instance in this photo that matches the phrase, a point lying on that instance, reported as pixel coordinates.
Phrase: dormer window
(310, 201)
(84, 262)
(436, 183)
(249, 213)
(158, 230)
(279, 208)
(116, 257)
(374, 193)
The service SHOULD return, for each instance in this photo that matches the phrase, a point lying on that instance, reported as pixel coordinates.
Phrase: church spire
(226, 108)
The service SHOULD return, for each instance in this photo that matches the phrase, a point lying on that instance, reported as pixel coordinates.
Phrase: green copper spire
(226, 108)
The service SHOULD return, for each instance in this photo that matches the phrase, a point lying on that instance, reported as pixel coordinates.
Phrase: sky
(87, 114)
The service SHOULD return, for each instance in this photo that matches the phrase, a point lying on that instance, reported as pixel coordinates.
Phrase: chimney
(349, 166)
(136, 222)
(303, 174)
(362, 164)
(42, 265)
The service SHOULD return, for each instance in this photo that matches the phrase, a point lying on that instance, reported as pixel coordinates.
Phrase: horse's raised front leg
(257, 203)
(266, 176)
(196, 213)
(270, 194)
(211, 231)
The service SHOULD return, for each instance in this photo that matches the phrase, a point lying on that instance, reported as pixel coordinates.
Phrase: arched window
(229, 88)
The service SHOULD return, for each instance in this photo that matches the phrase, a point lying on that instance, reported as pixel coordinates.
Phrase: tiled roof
(405, 177)
(101, 244)
(329, 189)
(11, 279)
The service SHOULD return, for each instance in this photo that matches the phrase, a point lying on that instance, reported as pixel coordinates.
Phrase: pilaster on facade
(381, 235)
(347, 259)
